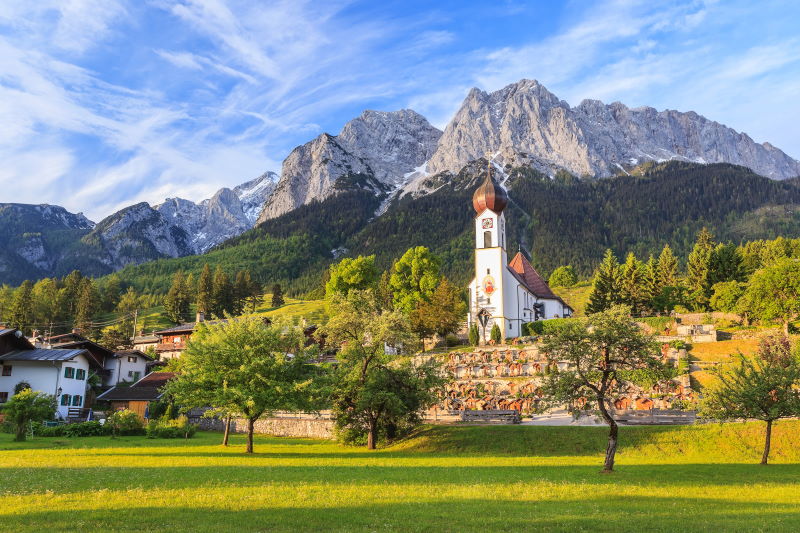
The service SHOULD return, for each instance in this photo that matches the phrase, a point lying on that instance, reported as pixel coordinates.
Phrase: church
(505, 293)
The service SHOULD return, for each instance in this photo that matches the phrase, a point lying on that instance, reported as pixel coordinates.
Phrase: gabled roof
(42, 354)
(146, 389)
(96, 353)
(16, 339)
(188, 327)
(524, 272)
(146, 339)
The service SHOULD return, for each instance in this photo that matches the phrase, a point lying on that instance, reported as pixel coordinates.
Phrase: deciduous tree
(28, 406)
(372, 391)
(245, 366)
(563, 276)
(774, 293)
(357, 273)
(765, 387)
(603, 351)
(414, 277)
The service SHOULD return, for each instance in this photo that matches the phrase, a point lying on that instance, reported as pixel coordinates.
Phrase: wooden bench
(657, 417)
(492, 416)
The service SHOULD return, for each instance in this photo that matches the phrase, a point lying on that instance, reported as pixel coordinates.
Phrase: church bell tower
(491, 259)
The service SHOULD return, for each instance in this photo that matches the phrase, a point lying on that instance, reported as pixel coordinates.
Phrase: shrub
(92, 428)
(164, 428)
(40, 430)
(125, 422)
(534, 328)
(495, 335)
(452, 340)
(474, 337)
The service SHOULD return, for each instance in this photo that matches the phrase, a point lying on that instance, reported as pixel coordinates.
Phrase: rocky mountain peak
(384, 146)
(524, 123)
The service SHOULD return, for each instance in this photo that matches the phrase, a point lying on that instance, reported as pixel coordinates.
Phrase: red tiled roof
(527, 275)
(154, 379)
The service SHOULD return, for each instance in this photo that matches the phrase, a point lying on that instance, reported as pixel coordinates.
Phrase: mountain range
(384, 160)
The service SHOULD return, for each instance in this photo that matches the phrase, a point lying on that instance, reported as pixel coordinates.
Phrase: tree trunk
(767, 440)
(21, 431)
(250, 431)
(373, 433)
(227, 433)
(786, 327)
(613, 433)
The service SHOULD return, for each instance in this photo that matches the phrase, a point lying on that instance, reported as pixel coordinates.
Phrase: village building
(60, 372)
(144, 342)
(505, 293)
(126, 366)
(140, 395)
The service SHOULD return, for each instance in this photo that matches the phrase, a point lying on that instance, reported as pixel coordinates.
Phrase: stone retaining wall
(315, 428)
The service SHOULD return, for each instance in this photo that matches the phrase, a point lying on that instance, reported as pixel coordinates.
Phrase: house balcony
(170, 347)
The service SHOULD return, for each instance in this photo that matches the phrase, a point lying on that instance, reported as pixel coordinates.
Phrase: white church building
(505, 293)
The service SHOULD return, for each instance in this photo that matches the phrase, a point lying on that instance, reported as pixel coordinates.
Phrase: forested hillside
(562, 220)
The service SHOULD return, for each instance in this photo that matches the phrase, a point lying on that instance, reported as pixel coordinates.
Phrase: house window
(132, 359)
(69, 372)
(77, 400)
(176, 340)
(134, 375)
(65, 399)
(3, 397)
(6, 370)
(80, 374)
(487, 239)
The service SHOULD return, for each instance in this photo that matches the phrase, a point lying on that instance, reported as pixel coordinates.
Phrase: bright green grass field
(501, 478)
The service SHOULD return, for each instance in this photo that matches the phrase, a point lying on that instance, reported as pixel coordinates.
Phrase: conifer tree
(20, 312)
(277, 295)
(698, 269)
(177, 300)
(241, 290)
(632, 283)
(606, 287)
(254, 295)
(221, 293)
(651, 284)
(726, 264)
(667, 268)
(384, 294)
(87, 304)
(204, 298)
(72, 286)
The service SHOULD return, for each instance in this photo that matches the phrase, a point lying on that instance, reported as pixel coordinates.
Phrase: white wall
(120, 367)
(47, 377)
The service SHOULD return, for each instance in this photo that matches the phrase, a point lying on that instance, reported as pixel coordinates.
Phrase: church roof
(522, 269)
(489, 195)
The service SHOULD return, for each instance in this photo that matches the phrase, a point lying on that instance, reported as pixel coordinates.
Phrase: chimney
(201, 316)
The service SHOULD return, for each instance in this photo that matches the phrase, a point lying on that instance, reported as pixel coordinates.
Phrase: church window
(488, 271)
(487, 239)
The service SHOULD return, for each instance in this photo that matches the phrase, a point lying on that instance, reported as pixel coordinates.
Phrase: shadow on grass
(640, 513)
(166, 477)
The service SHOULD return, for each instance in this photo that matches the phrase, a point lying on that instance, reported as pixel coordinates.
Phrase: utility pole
(135, 320)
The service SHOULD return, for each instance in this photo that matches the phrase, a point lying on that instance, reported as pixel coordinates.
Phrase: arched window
(487, 239)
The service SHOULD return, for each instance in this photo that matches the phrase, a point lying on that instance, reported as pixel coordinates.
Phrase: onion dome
(489, 195)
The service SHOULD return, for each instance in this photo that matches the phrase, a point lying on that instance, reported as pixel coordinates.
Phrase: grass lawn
(501, 478)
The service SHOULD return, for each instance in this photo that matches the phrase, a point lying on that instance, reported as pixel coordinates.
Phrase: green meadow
(487, 478)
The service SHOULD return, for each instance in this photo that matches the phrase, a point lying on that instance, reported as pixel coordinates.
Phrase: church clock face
(487, 223)
(488, 285)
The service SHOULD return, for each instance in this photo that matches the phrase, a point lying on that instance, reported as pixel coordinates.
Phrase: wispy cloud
(104, 103)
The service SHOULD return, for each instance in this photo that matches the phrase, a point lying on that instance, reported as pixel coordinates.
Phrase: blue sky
(105, 103)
